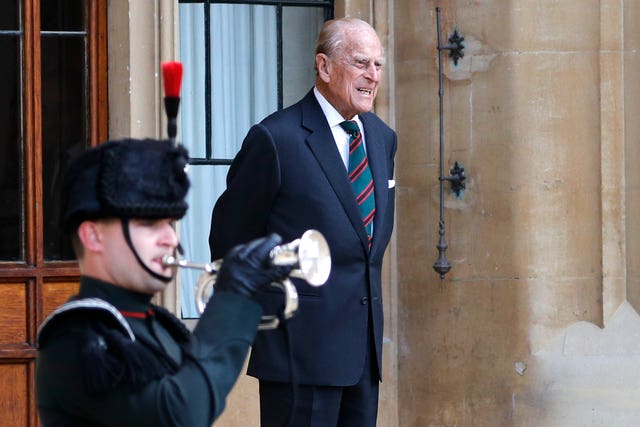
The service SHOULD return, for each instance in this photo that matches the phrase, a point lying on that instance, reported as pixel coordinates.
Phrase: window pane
(192, 104)
(64, 129)
(206, 184)
(11, 158)
(9, 18)
(244, 72)
(62, 15)
(300, 27)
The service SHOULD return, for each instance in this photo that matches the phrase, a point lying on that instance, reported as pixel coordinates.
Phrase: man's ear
(323, 65)
(89, 235)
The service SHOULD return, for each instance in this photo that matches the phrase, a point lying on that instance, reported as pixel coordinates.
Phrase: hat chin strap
(127, 237)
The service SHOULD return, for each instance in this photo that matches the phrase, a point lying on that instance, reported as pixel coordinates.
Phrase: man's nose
(169, 236)
(373, 72)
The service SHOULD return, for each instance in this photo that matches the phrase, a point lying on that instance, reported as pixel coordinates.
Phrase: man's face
(349, 79)
(152, 239)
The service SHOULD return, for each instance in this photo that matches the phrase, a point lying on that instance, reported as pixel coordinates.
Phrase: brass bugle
(309, 256)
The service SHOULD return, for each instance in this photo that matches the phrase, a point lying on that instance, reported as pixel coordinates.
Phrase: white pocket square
(392, 183)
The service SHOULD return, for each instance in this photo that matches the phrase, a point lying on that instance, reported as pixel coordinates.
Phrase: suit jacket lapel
(321, 143)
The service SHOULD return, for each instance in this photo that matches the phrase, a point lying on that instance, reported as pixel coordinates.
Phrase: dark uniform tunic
(91, 371)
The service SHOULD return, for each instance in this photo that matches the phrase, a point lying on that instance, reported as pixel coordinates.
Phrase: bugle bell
(309, 256)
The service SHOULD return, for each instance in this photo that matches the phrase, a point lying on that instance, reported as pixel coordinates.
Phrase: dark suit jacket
(287, 178)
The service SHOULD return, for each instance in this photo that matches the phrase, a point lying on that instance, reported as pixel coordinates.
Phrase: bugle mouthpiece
(169, 261)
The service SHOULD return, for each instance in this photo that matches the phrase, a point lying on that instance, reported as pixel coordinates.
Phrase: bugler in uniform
(109, 356)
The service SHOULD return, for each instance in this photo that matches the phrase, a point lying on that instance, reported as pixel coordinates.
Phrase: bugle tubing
(309, 255)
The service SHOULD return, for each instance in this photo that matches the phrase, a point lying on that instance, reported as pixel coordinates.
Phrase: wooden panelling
(56, 293)
(14, 388)
(13, 313)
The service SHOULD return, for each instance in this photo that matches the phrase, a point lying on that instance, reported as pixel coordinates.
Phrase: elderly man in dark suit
(304, 167)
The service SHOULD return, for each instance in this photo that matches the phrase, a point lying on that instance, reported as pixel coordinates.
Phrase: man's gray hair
(333, 34)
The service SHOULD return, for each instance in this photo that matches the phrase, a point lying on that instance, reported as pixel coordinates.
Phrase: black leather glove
(247, 268)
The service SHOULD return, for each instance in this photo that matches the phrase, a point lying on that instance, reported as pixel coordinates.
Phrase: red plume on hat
(172, 77)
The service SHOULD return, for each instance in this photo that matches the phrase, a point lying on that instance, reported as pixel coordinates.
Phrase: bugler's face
(152, 239)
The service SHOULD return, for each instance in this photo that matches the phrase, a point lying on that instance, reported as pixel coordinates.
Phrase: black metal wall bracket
(458, 175)
(455, 47)
(457, 178)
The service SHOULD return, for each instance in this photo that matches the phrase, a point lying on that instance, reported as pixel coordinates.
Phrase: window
(45, 98)
(64, 102)
(11, 152)
(52, 101)
(242, 61)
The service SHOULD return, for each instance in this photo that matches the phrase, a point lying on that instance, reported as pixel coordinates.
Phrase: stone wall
(529, 325)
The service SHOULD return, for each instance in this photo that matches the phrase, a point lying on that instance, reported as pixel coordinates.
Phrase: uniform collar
(123, 299)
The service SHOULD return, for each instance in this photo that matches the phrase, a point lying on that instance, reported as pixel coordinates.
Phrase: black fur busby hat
(126, 178)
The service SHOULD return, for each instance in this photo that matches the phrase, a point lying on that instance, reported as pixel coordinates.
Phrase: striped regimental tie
(360, 176)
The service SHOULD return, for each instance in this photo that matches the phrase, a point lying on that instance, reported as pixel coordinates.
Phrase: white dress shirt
(340, 136)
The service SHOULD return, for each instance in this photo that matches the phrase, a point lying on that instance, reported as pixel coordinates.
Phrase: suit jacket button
(364, 300)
